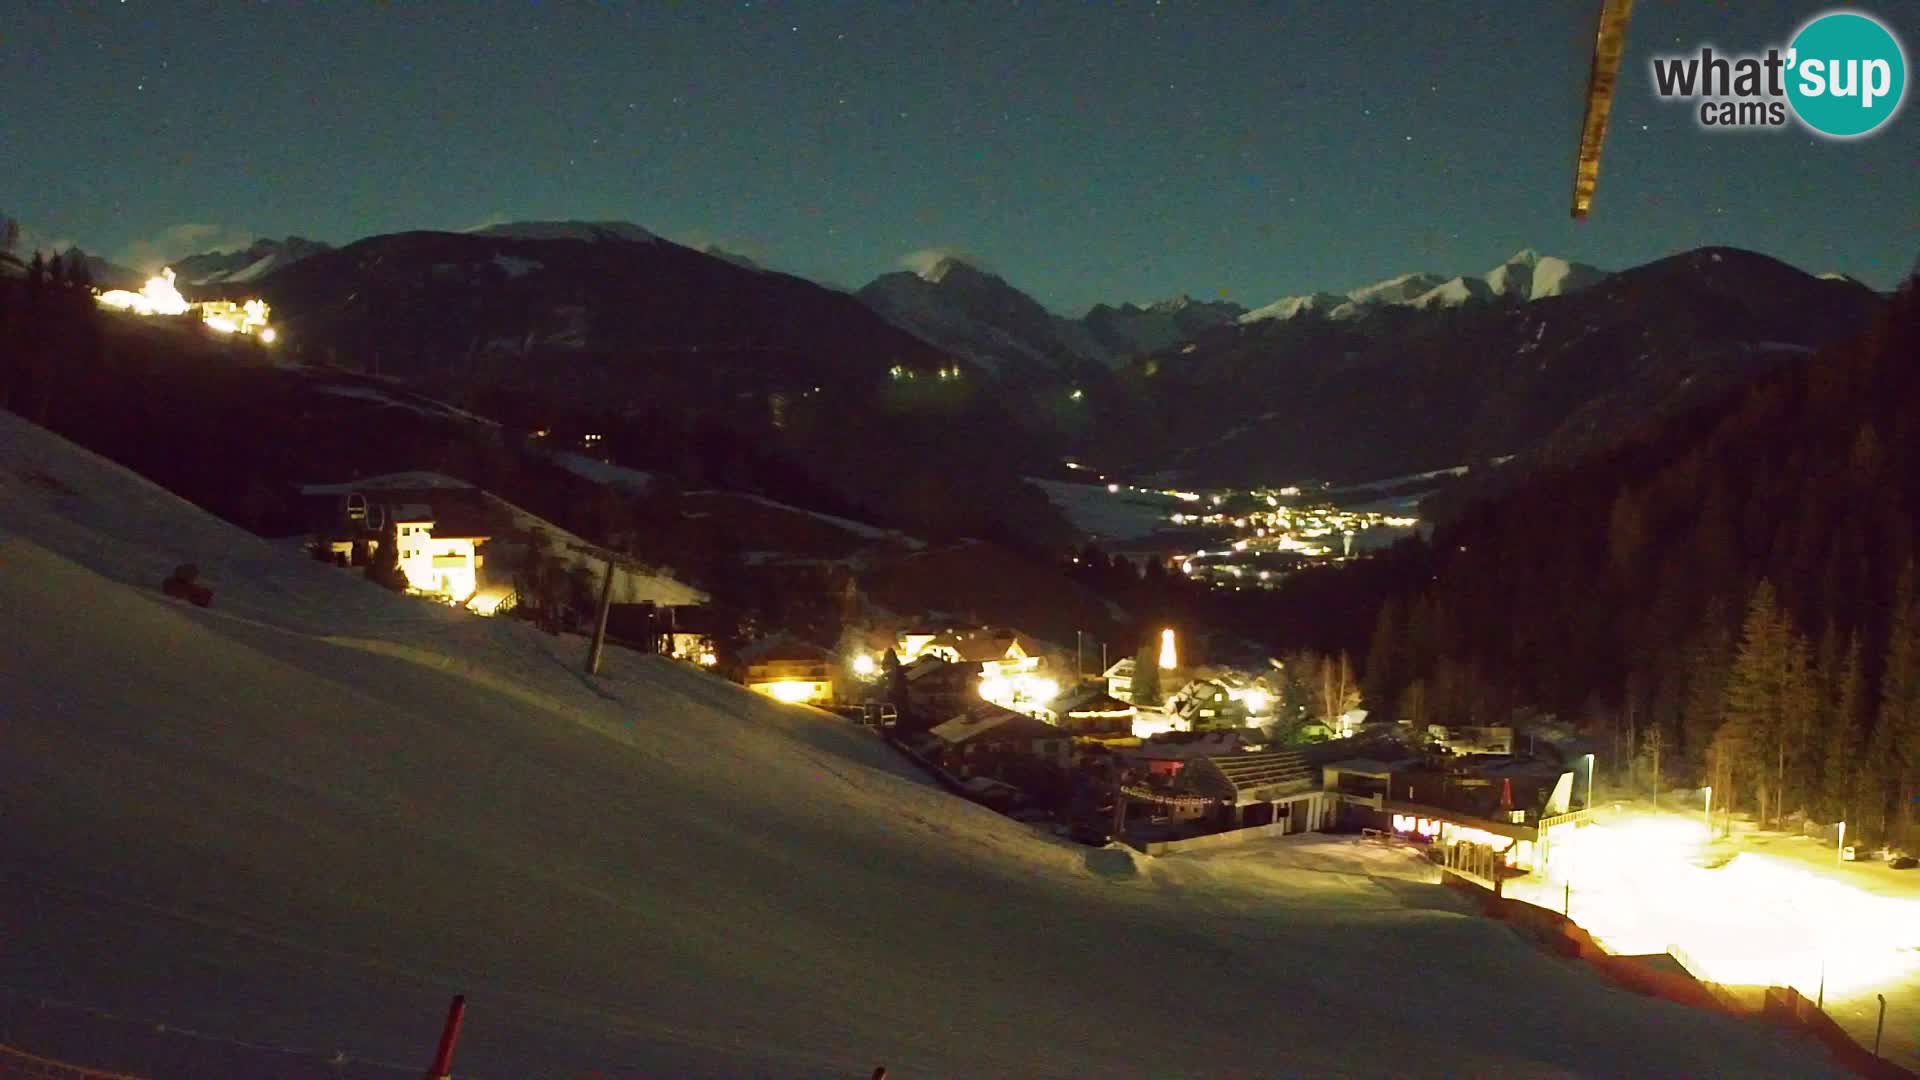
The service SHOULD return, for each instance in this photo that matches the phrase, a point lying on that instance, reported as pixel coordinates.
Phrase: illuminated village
(159, 296)
(667, 545)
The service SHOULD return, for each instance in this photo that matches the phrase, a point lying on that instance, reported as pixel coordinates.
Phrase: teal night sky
(1087, 152)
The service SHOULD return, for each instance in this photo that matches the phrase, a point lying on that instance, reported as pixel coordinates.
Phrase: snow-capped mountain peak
(1527, 275)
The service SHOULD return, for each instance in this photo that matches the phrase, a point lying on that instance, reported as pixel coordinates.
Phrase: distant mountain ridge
(1525, 276)
(569, 230)
(1412, 388)
(975, 314)
(250, 264)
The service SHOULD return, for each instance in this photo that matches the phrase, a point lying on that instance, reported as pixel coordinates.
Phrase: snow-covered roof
(1365, 766)
(988, 718)
(388, 482)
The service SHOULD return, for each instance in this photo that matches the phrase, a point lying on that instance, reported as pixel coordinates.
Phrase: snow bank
(308, 814)
(618, 477)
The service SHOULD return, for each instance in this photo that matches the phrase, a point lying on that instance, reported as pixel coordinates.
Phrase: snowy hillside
(1526, 276)
(570, 230)
(305, 816)
(629, 586)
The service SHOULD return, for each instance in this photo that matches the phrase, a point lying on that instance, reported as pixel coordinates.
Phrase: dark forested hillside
(1730, 592)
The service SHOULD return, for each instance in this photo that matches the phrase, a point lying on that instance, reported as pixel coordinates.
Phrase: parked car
(1903, 862)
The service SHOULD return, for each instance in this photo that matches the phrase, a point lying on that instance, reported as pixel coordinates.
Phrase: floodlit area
(1755, 910)
(308, 814)
(159, 296)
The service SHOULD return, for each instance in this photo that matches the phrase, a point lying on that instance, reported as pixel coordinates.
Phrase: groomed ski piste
(306, 816)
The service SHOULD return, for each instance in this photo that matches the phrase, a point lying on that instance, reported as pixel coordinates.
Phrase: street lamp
(1590, 763)
(1840, 851)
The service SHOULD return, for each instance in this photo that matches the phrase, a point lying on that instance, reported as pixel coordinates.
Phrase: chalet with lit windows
(440, 532)
(1206, 705)
(790, 671)
(999, 653)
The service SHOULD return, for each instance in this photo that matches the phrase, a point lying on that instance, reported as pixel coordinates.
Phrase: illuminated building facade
(790, 671)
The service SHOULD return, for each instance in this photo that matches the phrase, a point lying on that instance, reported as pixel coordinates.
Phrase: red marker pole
(442, 1068)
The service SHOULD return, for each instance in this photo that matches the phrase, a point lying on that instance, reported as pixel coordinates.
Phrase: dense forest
(1729, 597)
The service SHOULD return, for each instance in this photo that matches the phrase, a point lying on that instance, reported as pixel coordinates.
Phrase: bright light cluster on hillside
(159, 296)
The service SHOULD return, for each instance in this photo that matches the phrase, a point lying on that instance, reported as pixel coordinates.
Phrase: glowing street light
(1169, 658)
(863, 665)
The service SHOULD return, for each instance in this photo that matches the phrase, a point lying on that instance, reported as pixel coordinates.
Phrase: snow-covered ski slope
(309, 814)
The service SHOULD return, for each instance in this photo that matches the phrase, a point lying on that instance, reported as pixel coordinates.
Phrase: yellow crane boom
(1609, 43)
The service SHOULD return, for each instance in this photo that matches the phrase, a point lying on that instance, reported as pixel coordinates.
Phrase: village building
(1207, 704)
(1460, 739)
(1485, 816)
(938, 690)
(790, 671)
(988, 731)
(1001, 654)
(1163, 756)
(914, 640)
(1120, 679)
(1090, 712)
(461, 543)
(439, 532)
(1279, 786)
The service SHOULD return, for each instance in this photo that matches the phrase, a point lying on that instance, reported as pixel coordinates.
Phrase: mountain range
(1524, 277)
(249, 264)
(1539, 359)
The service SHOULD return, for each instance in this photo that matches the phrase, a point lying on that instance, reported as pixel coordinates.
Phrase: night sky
(1086, 152)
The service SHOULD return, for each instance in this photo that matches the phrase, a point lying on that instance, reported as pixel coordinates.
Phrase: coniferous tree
(1756, 693)
(1146, 675)
(1797, 751)
(1840, 767)
(1704, 700)
(1900, 701)
(899, 694)
(8, 344)
(385, 569)
(1386, 676)
(1411, 709)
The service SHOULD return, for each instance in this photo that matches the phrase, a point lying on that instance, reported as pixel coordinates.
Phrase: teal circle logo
(1846, 74)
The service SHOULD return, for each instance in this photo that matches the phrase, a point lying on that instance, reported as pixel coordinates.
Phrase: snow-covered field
(1123, 515)
(307, 815)
(1765, 909)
